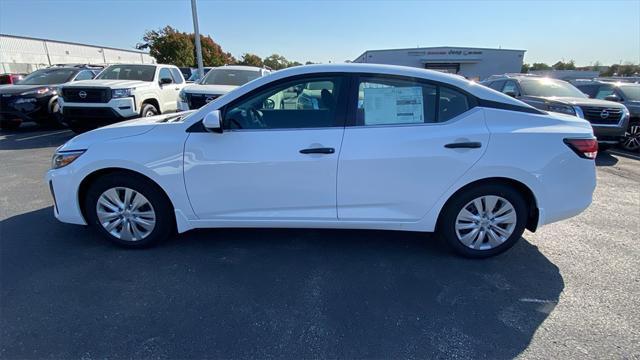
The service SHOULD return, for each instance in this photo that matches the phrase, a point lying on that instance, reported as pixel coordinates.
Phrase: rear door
(409, 142)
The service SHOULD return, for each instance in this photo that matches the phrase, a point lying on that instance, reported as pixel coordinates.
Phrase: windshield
(48, 77)
(229, 77)
(631, 92)
(550, 87)
(128, 72)
(195, 76)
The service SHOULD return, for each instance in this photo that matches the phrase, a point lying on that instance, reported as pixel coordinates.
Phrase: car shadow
(605, 159)
(33, 136)
(264, 293)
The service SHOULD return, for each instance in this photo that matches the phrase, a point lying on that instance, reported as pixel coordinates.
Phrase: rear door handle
(464, 145)
(318, 151)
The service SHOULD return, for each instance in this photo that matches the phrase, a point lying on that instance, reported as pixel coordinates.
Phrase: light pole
(196, 30)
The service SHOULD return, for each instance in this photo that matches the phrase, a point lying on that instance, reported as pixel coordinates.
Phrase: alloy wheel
(125, 214)
(486, 222)
(631, 140)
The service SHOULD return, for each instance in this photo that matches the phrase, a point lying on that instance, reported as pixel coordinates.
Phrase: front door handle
(322, 150)
(464, 145)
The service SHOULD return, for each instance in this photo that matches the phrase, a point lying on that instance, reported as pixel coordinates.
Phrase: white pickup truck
(121, 92)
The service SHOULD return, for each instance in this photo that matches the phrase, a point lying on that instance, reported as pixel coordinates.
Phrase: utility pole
(196, 30)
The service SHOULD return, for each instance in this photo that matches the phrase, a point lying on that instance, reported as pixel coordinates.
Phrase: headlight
(120, 93)
(38, 91)
(564, 109)
(64, 158)
(625, 113)
(183, 96)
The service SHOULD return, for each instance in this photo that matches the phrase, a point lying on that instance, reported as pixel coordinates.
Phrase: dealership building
(19, 54)
(472, 63)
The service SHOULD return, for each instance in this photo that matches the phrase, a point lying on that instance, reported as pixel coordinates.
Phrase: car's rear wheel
(130, 211)
(148, 110)
(484, 221)
(631, 140)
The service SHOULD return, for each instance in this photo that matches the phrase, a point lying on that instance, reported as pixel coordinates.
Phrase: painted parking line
(43, 135)
(624, 153)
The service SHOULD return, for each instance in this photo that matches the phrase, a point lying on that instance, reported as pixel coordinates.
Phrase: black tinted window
(304, 103)
(452, 103)
(48, 77)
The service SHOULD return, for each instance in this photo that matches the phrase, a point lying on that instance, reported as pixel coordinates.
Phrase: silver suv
(609, 119)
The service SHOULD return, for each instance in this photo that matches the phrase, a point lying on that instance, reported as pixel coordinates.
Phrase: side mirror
(165, 81)
(612, 98)
(212, 122)
(510, 93)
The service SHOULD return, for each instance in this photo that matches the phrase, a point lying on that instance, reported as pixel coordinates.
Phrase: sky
(321, 31)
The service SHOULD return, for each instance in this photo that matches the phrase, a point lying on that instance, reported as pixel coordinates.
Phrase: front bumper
(24, 108)
(64, 192)
(115, 110)
(610, 134)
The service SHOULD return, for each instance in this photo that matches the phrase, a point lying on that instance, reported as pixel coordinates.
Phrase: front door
(411, 142)
(276, 158)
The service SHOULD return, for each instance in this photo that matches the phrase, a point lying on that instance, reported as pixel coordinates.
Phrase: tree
(294, 63)
(525, 68)
(276, 62)
(170, 46)
(539, 66)
(564, 66)
(212, 53)
(628, 69)
(251, 60)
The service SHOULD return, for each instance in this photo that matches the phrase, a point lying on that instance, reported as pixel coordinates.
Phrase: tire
(631, 140)
(130, 227)
(10, 124)
(56, 118)
(494, 241)
(148, 110)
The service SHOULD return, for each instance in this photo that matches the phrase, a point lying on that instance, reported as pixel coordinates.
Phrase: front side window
(165, 74)
(84, 75)
(236, 77)
(128, 72)
(390, 101)
(177, 76)
(497, 85)
(510, 88)
(604, 91)
(307, 103)
(48, 77)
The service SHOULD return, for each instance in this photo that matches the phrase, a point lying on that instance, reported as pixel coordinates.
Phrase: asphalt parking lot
(568, 291)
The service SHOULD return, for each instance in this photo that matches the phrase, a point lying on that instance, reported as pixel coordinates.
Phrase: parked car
(627, 94)
(121, 92)
(195, 76)
(216, 83)
(35, 98)
(608, 119)
(8, 79)
(377, 147)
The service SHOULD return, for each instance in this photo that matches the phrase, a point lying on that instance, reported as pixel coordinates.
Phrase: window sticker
(393, 105)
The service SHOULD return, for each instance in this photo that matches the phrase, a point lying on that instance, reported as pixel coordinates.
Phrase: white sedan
(350, 146)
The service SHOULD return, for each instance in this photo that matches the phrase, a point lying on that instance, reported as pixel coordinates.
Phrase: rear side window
(391, 101)
(177, 76)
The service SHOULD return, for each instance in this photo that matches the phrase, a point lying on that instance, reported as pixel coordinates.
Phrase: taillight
(585, 148)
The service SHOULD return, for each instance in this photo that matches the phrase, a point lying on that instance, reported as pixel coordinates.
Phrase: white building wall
(24, 55)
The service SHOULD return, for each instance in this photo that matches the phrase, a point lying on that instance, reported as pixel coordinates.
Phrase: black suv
(624, 93)
(35, 98)
(608, 119)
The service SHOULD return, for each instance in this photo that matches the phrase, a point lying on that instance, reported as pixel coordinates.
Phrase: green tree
(250, 60)
(564, 65)
(276, 62)
(525, 68)
(294, 63)
(169, 46)
(539, 66)
(628, 69)
(212, 53)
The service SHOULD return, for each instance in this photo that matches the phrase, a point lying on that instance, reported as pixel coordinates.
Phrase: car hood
(119, 130)
(209, 89)
(117, 84)
(18, 89)
(573, 101)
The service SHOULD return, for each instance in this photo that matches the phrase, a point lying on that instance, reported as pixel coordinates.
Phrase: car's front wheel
(631, 140)
(484, 221)
(148, 110)
(129, 210)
